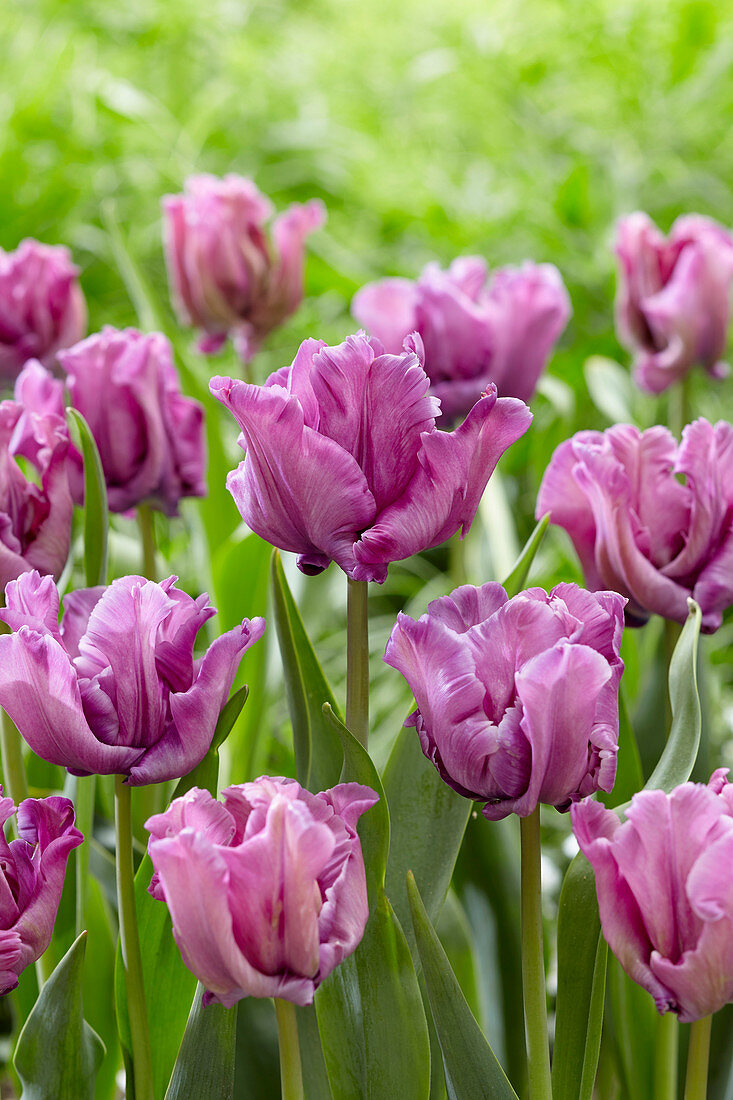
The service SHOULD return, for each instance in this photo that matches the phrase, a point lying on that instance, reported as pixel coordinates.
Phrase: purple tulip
(637, 528)
(42, 308)
(116, 688)
(149, 435)
(473, 333)
(35, 519)
(267, 892)
(664, 879)
(32, 870)
(673, 302)
(344, 462)
(225, 276)
(517, 700)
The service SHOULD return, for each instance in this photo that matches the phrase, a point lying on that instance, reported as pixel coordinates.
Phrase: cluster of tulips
(363, 454)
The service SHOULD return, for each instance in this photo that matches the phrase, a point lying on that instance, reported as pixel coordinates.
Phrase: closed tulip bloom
(267, 892)
(517, 700)
(226, 276)
(344, 462)
(35, 511)
(664, 879)
(42, 308)
(640, 529)
(115, 688)
(32, 870)
(474, 332)
(673, 302)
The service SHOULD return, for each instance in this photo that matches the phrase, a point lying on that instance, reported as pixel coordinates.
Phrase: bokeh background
(430, 128)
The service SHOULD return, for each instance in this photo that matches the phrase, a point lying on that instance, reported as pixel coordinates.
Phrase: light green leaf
(96, 515)
(472, 1071)
(581, 966)
(611, 389)
(318, 751)
(679, 755)
(204, 1068)
(629, 776)
(58, 1053)
(206, 774)
(517, 579)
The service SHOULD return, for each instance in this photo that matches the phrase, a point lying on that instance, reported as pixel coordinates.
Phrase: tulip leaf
(206, 773)
(341, 1027)
(136, 284)
(205, 1064)
(58, 1053)
(611, 389)
(472, 1071)
(374, 827)
(679, 755)
(427, 823)
(96, 514)
(581, 967)
(315, 1076)
(517, 579)
(629, 776)
(318, 751)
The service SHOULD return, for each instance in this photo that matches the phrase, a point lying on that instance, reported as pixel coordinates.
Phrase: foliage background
(516, 129)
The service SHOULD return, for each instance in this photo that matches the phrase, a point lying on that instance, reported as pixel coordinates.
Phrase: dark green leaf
(679, 755)
(96, 516)
(341, 1026)
(205, 1065)
(315, 1076)
(206, 774)
(472, 1071)
(99, 971)
(318, 751)
(581, 967)
(517, 579)
(427, 823)
(58, 1054)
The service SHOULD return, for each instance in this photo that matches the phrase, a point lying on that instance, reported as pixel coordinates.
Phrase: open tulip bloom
(115, 687)
(344, 461)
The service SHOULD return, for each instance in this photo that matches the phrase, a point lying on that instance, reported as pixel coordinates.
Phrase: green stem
(533, 961)
(696, 1082)
(291, 1074)
(357, 660)
(147, 539)
(14, 780)
(132, 963)
(665, 1057)
(84, 809)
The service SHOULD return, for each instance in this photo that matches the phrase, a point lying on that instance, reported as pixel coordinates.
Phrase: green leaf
(205, 1065)
(679, 755)
(517, 579)
(58, 1054)
(96, 515)
(611, 389)
(135, 281)
(581, 967)
(99, 972)
(629, 776)
(427, 823)
(472, 1071)
(341, 1027)
(318, 751)
(206, 774)
(315, 1076)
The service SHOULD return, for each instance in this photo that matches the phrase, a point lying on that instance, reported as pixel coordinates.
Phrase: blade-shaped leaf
(427, 823)
(472, 1071)
(679, 755)
(58, 1053)
(205, 1065)
(629, 776)
(581, 966)
(517, 579)
(206, 774)
(315, 1076)
(318, 752)
(96, 515)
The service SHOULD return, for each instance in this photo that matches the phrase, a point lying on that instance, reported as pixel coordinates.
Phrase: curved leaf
(472, 1071)
(679, 755)
(517, 579)
(58, 1053)
(96, 514)
(318, 752)
(629, 776)
(205, 1064)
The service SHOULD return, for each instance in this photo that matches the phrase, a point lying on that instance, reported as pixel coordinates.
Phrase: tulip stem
(357, 660)
(12, 758)
(84, 809)
(533, 960)
(147, 539)
(132, 963)
(665, 1057)
(698, 1055)
(291, 1074)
